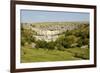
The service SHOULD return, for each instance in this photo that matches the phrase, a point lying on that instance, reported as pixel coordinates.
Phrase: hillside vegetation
(54, 41)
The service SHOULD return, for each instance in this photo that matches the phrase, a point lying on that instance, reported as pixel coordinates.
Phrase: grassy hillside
(43, 55)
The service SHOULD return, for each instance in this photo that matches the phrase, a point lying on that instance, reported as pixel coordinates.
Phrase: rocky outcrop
(49, 31)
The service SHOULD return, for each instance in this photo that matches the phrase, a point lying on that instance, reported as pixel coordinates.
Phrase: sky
(31, 16)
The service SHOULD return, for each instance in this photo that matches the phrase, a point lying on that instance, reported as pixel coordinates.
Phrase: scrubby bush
(71, 39)
(41, 44)
(59, 47)
(51, 45)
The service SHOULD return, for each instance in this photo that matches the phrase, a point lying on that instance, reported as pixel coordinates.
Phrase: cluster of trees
(79, 36)
(68, 39)
(27, 36)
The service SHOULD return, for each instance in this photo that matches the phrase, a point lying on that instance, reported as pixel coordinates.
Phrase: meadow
(43, 55)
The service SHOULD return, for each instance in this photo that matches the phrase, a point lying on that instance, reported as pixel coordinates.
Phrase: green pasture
(45, 55)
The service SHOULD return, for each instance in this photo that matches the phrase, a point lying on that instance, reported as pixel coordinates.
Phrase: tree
(59, 47)
(41, 44)
(69, 41)
(68, 32)
(79, 42)
(51, 45)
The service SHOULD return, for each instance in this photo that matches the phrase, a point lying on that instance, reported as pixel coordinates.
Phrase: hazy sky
(30, 16)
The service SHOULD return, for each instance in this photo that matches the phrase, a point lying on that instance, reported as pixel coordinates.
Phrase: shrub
(51, 45)
(59, 47)
(41, 44)
(69, 40)
(79, 42)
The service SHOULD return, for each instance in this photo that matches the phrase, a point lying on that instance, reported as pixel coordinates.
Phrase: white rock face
(46, 35)
(85, 46)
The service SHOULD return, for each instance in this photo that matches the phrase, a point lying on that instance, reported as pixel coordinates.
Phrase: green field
(45, 55)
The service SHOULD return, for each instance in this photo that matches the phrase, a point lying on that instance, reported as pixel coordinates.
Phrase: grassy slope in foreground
(44, 55)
